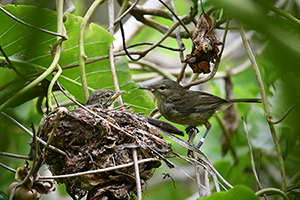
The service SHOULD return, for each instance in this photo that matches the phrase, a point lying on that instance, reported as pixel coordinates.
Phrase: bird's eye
(107, 95)
(162, 87)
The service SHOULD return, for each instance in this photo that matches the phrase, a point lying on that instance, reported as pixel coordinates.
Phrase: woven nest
(101, 141)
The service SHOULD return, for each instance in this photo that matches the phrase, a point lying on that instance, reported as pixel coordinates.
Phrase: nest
(98, 141)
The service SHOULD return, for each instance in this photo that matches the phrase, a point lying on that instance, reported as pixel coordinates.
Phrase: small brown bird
(103, 98)
(188, 107)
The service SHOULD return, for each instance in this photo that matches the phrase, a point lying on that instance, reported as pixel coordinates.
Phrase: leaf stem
(266, 105)
(82, 55)
(272, 190)
(26, 24)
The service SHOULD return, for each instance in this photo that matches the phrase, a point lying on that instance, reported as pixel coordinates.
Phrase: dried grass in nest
(93, 143)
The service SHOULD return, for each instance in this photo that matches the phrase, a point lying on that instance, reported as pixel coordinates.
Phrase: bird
(187, 107)
(103, 98)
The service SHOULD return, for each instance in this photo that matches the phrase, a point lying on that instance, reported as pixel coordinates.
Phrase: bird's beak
(116, 95)
(147, 87)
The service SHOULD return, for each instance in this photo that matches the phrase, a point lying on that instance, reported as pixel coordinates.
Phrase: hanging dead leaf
(205, 46)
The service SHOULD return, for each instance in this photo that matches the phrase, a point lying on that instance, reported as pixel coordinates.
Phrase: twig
(12, 66)
(32, 169)
(82, 55)
(283, 13)
(197, 173)
(174, 14)
(60, 112)
(284, 115)
(111, 48)
(98, 170)
(31, 134)
(137, 174)
(50, 87)
(8, 168)
(14, 155)
(205, 161)
(162, 46)
(266, 106)
(26, 24)
(272, 191)
(179, 43)
(207, 186)
(126, 12)
(251, 157)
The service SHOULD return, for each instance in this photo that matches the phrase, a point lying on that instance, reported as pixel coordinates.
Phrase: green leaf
(3, 196)
(238, 192)
(29, 50)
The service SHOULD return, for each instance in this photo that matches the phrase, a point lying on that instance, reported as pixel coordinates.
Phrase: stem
(14, 155)
(26, 24)
(98, 170)
(31, 134)
(111, 48)
(137, 174)
(82, 55)
(251, 158)
(60, 28)
(283, 13)
(266, 105)
(272, 190)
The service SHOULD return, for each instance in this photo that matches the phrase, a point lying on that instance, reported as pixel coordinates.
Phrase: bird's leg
(192, 132)
(207, 124)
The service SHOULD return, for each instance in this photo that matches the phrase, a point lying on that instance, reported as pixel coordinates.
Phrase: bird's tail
(245, 100)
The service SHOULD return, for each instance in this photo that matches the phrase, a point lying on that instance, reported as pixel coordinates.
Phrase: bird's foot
(189, 128)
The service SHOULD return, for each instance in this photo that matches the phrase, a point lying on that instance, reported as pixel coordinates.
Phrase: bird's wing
(202, 102)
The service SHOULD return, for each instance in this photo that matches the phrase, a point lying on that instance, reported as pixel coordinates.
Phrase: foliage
(275, 30)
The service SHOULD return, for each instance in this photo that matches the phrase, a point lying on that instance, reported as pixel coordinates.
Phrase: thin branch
(179, 43)
(126, 12)
(283, 13)
(26, 24)
(12, 66)
(14, 155)
(251, 157)
(137, 174)
(50, 87)
(98, 170)
(197, 174)
(175, 15)
(32, 169)
(272, 191)
(111, 47)
(284, 115)
(207, 185)
(8, 168)
(31, 134)
(162, 46)
(266, 105)
(82, 55)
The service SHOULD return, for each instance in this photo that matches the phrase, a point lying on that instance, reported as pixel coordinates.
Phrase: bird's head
(104, 98)
(163, 88)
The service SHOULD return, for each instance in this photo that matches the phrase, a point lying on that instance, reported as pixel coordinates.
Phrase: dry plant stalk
(205, 46)
(91, 143)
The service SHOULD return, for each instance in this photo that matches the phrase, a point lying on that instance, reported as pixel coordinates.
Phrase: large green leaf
(29, 50)
(238, 192)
